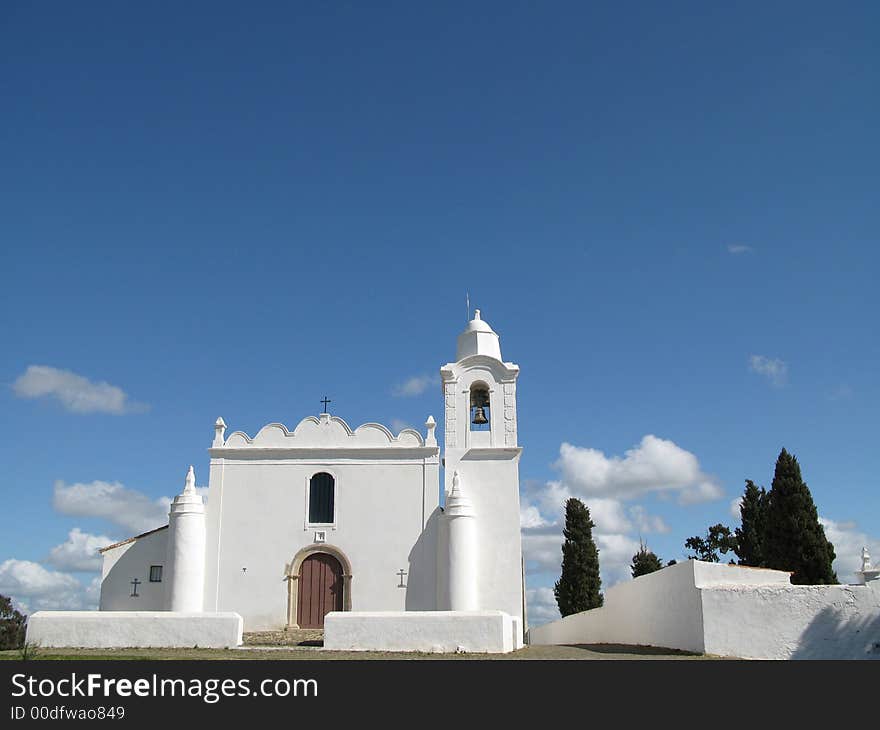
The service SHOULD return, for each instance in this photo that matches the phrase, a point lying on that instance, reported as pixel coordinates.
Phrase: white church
(325, 526)
(329, 527)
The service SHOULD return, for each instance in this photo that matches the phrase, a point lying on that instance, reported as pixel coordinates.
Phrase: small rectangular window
(155, 574)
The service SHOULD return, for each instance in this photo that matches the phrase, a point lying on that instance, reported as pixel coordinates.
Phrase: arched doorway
(319, 581)
(320, 590)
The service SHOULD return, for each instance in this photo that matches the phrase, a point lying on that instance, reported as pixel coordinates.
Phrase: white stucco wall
(486, 632)
(729, 611)
(707, 575)
(122, 629)
(793, 622)
(658, 609)
(386, 504)
(132, 560)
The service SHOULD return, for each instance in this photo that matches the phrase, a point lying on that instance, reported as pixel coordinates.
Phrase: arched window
(322, 488)
(480, 415)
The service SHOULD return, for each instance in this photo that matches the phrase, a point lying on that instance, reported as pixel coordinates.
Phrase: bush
(12, 625)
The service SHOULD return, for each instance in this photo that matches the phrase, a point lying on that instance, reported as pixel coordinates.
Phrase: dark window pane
(321, 488)
(155, 574)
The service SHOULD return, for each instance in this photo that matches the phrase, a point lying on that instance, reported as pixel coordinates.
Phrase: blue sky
(668, 213)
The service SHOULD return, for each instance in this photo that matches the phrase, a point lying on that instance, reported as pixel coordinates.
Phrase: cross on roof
(325, 401)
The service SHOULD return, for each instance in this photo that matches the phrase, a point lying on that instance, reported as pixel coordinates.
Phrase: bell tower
(482, 458)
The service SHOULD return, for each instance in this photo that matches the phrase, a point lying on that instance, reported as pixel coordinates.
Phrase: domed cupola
(478, 338)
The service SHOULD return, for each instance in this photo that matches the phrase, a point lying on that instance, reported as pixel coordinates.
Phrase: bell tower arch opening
(480, 407)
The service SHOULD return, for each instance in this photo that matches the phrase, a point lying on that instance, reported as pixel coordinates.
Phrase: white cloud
(848, 542)
(775, 370)
(92, 595)
(33, 588)
(530, 517)
(542, 540)
(543, 554)
(655, 465)
(615, 556)
(543, 551)
(76, 393)
(550, 498)
(646, 523)
(415, 385)
(739, 248)
(79, 552)
(397, 425)
(127, 508)
(541, 606)
(734, 509)
(608, 515)
(706, 491)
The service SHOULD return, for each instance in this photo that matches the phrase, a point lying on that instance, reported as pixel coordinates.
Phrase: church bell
(479, 417)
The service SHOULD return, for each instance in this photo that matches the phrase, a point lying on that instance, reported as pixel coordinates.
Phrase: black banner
(227, 691)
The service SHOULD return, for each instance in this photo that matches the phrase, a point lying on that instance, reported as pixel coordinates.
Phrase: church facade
(324, 517)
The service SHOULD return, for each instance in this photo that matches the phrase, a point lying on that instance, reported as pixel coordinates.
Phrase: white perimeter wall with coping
(729, 611)
(793, 622)
(123, 629)
(483, 632)
(658, 609)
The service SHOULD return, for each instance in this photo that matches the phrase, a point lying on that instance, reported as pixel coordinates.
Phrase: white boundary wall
(659, 609)
(793, 622)
(124, 629)
(483, 632)
(729, 611)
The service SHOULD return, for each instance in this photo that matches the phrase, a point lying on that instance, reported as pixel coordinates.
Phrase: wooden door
(319, 590)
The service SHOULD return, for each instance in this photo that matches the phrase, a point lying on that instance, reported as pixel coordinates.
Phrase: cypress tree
(794, 539)
(750, 536)
(644, 562)
(578, 587)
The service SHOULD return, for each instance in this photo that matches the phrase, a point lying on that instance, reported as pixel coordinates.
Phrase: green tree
(578, 587)
(644, 562)
(750, 536)
(794, 539)
(12, 625)
(718, 538)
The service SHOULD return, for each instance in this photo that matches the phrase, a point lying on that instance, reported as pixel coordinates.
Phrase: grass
(575, 652)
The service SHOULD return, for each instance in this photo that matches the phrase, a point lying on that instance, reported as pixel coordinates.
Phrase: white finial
(866, 560)
(219, 432)
(190, 484)
(476, 314)
(457, 502)
(431, 424)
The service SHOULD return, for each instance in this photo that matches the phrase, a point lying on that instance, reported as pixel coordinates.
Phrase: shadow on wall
(421, 584)
(134, 563)
(834, 635)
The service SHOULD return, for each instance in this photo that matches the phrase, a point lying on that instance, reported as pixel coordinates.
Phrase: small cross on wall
(401, 574)
(134, 588)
